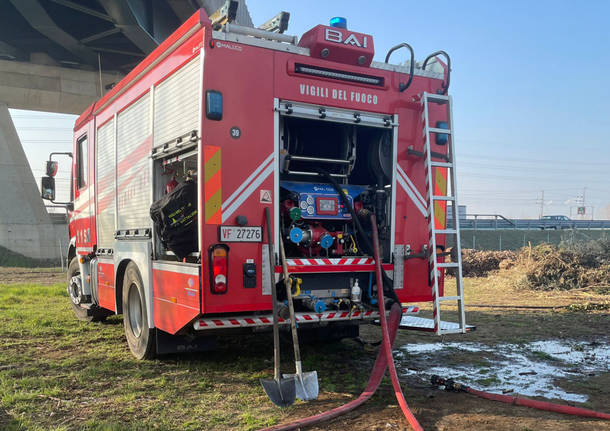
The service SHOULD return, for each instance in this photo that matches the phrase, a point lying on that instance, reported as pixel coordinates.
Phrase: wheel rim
(74, 288)
(135, 310)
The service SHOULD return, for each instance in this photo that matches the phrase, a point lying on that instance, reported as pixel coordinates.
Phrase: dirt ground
(44, 276)
(58, 373)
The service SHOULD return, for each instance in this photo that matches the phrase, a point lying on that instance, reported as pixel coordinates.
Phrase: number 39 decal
(235, 132)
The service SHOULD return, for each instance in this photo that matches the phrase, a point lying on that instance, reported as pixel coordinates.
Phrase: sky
(530, 87)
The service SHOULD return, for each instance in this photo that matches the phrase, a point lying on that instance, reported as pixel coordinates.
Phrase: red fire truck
(237, 120)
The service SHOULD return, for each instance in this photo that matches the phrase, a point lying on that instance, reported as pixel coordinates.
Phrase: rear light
(219, 268)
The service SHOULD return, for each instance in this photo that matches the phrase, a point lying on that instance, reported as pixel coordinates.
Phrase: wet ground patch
(536, 369)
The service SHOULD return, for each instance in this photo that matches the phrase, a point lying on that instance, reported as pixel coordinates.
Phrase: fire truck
(227, 121)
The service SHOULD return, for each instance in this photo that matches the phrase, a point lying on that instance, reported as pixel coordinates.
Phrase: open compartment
(175, 200)
(327, 167)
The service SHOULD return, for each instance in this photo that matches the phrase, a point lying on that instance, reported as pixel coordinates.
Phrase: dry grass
(57, 373)
(545, 266)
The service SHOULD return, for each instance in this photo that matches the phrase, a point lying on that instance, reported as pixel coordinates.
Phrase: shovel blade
(282, 393)
(306, 385)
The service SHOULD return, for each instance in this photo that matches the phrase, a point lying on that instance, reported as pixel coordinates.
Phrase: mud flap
(167, 343)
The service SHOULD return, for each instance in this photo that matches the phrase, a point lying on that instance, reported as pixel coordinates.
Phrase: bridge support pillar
(25, 225)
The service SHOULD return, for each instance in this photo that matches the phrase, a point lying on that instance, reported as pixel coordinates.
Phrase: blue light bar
(338, 22)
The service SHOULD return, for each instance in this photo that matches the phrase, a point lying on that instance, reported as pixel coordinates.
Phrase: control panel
(321, 201)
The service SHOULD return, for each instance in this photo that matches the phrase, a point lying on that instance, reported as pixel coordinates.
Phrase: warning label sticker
(266, 197)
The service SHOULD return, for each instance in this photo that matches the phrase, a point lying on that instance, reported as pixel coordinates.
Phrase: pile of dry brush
(479, 263)
(548, 267)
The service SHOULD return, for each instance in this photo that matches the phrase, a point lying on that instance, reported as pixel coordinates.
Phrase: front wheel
(140, 338)
(92, 314)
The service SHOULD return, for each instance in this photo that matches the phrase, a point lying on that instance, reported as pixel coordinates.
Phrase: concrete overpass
(60, 56)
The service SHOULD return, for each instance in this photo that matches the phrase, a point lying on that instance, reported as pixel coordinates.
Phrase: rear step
(302, 318)
(422, 324)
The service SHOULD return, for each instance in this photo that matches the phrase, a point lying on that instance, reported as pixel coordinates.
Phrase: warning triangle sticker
(266, 197)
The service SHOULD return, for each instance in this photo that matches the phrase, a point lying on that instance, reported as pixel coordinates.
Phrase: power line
(529, 160)
(525, 178)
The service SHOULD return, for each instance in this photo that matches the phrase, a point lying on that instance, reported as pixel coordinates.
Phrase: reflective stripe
(411, 194)
(440, 189)
(333, 261)
(251, 321)
(248, 180)
(212, 184)
(248, 191)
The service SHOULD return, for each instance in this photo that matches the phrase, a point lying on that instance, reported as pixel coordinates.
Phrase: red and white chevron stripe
(333, 261)
(327, 316)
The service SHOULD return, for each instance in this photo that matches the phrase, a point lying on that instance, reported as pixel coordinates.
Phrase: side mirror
(47, 188)
(51, 168)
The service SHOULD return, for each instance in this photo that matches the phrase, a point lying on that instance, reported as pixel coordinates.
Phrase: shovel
(281, 391)
(306, 383)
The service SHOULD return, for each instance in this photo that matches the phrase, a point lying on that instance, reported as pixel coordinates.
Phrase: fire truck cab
(237, 120)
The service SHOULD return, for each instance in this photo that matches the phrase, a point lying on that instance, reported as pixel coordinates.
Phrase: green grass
(55, 370)
(59, 373)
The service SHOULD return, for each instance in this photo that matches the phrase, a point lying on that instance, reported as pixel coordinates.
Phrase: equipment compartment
(175, 207)
(330, 172)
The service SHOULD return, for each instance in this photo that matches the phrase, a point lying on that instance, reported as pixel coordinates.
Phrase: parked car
(556, 222)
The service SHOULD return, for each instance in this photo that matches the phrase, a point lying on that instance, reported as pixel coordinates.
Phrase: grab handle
(402, 86)
(443, 53)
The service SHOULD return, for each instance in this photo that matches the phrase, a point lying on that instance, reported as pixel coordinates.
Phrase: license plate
(241, 234)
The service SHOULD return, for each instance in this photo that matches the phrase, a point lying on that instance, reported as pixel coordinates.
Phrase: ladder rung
(449, 298)
(447, 265)
(443, 198)
(441, 165)
(437, 97)
(437, 130)
(445, 231)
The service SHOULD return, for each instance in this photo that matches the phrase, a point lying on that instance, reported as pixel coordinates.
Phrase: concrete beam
(183, 9)
(131, 25)
(38, 18)
(8, 52)
(100, 35)
(52, 89)
(83, 9)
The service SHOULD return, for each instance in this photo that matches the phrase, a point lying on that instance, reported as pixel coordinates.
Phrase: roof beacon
(338, 22)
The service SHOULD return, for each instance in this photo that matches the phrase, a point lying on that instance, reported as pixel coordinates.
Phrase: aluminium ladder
(431, 166)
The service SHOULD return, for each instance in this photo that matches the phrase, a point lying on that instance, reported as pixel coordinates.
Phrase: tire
(86, 315)
(140, 338)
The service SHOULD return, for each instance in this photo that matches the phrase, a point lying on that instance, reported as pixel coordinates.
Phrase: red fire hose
(387, 345)
(384, 359)
(450, 385)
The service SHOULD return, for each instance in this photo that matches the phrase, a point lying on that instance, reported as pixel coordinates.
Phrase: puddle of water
(527, 369)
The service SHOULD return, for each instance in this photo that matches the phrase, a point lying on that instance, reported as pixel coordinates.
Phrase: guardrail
(501, 222)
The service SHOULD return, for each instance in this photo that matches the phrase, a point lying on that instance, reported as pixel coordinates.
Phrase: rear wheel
(140, 338)
(92, 314)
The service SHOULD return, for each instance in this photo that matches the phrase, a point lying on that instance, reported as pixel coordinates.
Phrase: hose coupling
(449, 384)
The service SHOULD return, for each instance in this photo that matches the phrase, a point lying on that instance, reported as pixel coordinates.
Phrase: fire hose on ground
(384, 359)
(453, 386)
